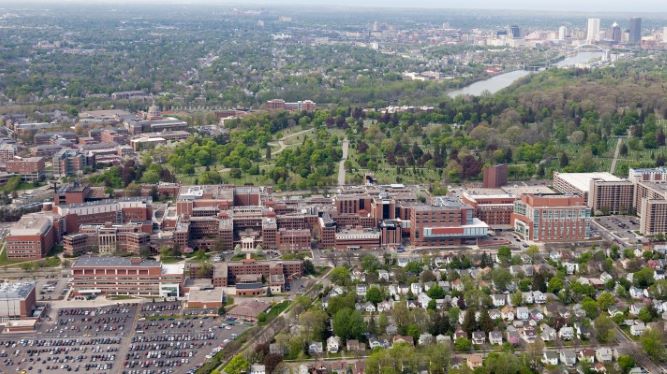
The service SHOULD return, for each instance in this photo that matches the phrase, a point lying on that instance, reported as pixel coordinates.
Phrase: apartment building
(32, 237)
(69, 162)
(552, 218)
(493, 206)
(30, 169)
(603, 192)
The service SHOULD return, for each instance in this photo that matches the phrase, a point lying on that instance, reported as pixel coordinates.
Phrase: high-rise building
(635, 30)
(616, 33)
(562, 33)
(664, 34)
(515, 32)
(552, 218)
(495, 176)
(593, 30)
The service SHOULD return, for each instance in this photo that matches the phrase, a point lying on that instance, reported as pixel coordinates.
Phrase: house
(587, 355)
(527, 297)
(614, 311)
(257, 369)
(568, 357)
(635, 309)
(369, 307)
(583, 332)
(604, 354)
(403, 261)
(495, 314)
(443, 339)
(599, 367)
(415, 288)
(423, 300)
(315, 348)
(550, 358)
(457, 285)
(383, 275)
(605, 277)
(384, 306)
(507, 313)
(548, 333)
(638, 370)
(566, 333)
(358, 276)
(376, 343)
(637, 328)
(460, 334)
(513, 337)
(637, 293)
(402, 339)
(571, 268)
(361, 290)
(353, 345)
(276, 349)
(496, 337)
(478, 337)
(425, 339)
(522, 313)
(539, 297)
(528, 335)
(498, 300)
(333, 344)
(474, 361)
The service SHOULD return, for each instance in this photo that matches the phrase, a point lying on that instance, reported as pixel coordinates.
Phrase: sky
(625, 6)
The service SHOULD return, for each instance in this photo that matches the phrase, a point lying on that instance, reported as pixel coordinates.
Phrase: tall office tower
(562, 33)
(593, 30)
(664, 34)
(635, 30)
(616, 33)
(515, 32)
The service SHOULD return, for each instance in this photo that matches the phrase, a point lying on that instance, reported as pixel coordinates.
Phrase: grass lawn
(268, 315)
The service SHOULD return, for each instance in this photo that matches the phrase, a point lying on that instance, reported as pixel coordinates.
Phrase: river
(498, 82)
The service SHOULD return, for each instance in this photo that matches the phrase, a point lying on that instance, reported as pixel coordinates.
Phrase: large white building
(593, 30)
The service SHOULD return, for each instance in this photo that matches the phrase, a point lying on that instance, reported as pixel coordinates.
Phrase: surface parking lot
(623, 227)
(150, 338)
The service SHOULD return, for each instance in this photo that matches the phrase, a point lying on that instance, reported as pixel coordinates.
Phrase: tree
(501, 278)
(626, 363)
(463, 345)
(590, 307)
(337, 303)
(643, 278)
(349, 324)
(516, 298)
(427, 276)
(469, 324)
(237, 365)
(485, 322)
(370, 263)
(659, 289)
(436, 292)
(555, 284)
(506, 362)
(605, 329)
(271, 361)
(533, 251)
(605, 300)
(652, 341)
(374, 295)
(535, 350)
(340, 275)
(505, 254)
(314, 323)
(309, 268)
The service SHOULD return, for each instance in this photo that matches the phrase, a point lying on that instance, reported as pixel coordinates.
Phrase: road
(616, 153)
(341, 164)
(281, 142)
(632, 348)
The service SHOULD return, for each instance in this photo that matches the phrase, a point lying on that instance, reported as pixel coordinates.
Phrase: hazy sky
(626, 6)
(551, 5)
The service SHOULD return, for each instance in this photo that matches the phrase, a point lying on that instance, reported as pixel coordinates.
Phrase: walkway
(616, 153)
(281, 142)
(341, 164)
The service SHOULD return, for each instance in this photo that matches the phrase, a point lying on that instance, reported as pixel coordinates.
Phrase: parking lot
(622, 227)
(149, 338)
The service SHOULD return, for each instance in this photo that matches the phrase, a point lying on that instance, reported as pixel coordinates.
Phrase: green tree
(605, 329)
(501, 278)
(555, 284)
(340, 275)
(605, 300)
(652, 341)
(314, 323)
(436, 292)
(463, 345)
(505, 254)
(590, 307)
(337, 303)
(374, 295)
(643, 278)
(349, 324)
(237, 365)
(626, 363)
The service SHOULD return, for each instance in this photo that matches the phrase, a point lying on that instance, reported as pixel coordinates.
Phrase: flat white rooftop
(581, 181)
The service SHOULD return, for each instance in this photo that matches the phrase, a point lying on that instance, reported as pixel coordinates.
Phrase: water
(498, 82)
(491, 85)
(581, 58)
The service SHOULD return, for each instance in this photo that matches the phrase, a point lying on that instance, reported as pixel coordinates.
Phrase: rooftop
(581, 181)
(9, 291)
(31, 224)
(210, 295)
(96, 261)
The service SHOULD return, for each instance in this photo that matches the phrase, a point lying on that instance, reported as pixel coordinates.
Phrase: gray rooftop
(9, 291)
(111, 261)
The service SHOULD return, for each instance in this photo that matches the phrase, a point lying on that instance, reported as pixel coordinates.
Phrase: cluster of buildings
(366, 217)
